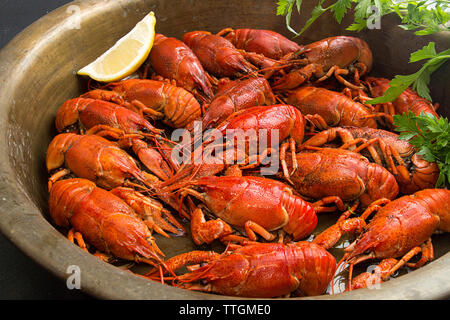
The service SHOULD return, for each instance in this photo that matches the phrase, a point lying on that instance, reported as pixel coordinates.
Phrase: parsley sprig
(286, 7)
(425, 17)
(419, 80)
(430, 136)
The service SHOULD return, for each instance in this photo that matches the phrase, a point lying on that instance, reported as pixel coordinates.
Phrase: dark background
(20, 277)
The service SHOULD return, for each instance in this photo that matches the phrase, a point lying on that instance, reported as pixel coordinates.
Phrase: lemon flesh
(127, 54)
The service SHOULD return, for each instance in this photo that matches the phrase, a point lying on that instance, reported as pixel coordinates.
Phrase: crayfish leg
(55, 177)
(427, 255)
(284, 167)
(294, 78)
(74, 235)
(333, 234)
(338, 72)
(316, 121)
(150, 211)
(252, 228)
(106, 131)
(320, 206)
(374, 206)
(207, 231)
(387, 267)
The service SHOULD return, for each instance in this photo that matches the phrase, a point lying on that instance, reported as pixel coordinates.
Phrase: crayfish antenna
(180, 261)
(136, 185)
(185, 177)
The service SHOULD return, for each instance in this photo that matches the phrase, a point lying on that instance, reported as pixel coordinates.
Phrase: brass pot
(38, 73)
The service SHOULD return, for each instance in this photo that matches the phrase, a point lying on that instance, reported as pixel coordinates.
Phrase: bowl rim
(22, 223)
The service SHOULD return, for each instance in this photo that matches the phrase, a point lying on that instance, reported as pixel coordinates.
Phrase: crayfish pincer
(260, 270)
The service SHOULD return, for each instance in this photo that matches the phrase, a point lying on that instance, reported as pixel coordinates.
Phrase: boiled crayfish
(243, 97)
(172, 59)
(400, 228)
(266, 42)
(260, 270)
(103, 219)
(259, 205)
(412, 172)
(325, 108)
(176, 106)
(331, 56)
(346, 175)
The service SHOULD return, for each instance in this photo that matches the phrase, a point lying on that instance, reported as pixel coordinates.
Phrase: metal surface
(37, 74)
(21, 277)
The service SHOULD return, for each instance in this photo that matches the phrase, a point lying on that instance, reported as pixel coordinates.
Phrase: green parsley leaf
(418, 81)
(426, 52)
(282, 8)
(426, 17)
(429, 135)
(357, 26)
(340, 9)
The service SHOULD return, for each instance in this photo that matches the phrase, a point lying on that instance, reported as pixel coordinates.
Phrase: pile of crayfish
(118, 181)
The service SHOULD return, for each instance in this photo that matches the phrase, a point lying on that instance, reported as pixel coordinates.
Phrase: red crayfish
(237, 95)
(218, 55)
(266, 42)
(411, 172)
(260, 270)
(95, 158)
(339, 55)
(343, 174)
(176, 106)
(401, 228)
(103, 219)
(325, 108)
(172, 59)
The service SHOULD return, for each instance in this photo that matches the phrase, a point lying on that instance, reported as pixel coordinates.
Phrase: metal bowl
(37, 74)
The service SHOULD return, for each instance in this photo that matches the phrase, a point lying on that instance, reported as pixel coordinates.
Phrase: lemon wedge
(127, 54)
